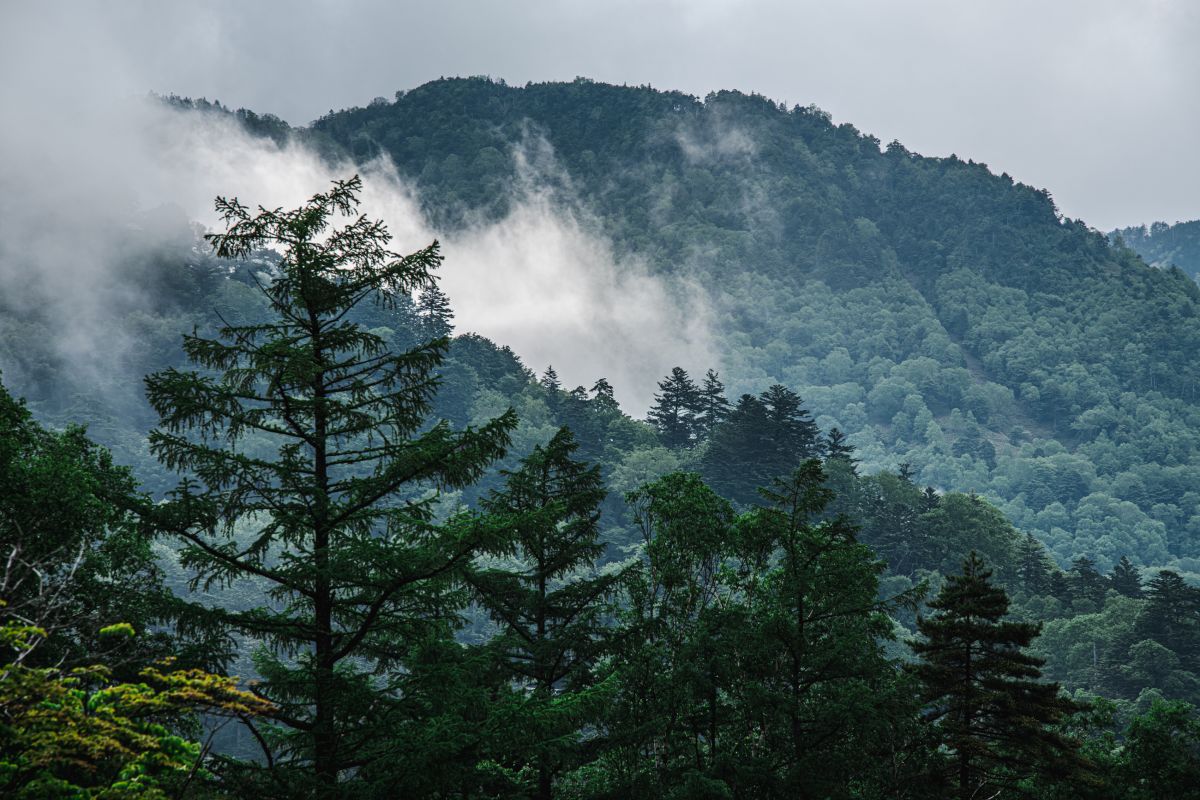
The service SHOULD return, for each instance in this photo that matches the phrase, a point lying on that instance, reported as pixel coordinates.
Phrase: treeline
(1165, 245)
(406, 643)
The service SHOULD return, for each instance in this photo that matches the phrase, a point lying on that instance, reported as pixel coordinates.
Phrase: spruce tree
(550, 606)
(712, 407)
(674, 411)
(434, 314)
(549, 380)
(736, 462)
(1033, 565)
(310, 470)
(1125, 578)
(1087, 583)
(837, 448)
(994, 716)
(796, 436)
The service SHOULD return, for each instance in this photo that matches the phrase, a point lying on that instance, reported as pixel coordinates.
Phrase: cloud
(85, 199)
(1091, 99)
(546, 282)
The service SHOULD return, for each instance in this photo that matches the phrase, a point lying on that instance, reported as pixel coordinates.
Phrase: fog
(1092, 100)
(543, 280)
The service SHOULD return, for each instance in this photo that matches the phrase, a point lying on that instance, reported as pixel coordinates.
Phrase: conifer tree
(1125, 578)
(930, 499)
(1086, 582)
(993, 715)
(1033, 566)
(603, 395)
(434, 313)
(550, 607)
(310, 469)
(838, 448)
(736, 461)
(674, 411)
(1172, 614)
(712, 407)
(796, 436)
(549, 380)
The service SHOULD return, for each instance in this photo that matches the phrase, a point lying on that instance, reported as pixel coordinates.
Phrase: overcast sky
(1096, 100)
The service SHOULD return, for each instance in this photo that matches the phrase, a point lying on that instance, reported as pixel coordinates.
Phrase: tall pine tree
(673, 414)
(994, 717)
(434, 313)
(712, 407)
(1125, 578)
(550, 606)
(310, 470)
(838, 448)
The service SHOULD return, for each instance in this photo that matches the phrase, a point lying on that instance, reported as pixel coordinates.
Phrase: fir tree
(930, 499)
(434, 314)
(1172, 614)
(796, 436)
(993, 715)
(673, 414)
(712, 407)
(737, 461)
(837, 447)
(1125, 578)
(550, 607)
(1033, 565)
(1086, 582)
(764, 438)
(338, 524)
(549, 380)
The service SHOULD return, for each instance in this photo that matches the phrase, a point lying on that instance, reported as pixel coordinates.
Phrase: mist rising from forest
(100, 185)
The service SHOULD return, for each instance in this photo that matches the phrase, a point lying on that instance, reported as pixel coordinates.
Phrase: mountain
(1165, 245)
(940, 314)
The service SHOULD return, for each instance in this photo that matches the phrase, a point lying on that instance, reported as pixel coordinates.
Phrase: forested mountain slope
(954, 339)
(941, 314)
(1165, 245)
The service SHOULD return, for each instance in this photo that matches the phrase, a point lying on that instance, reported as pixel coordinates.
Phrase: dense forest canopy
(936, 313)
(944, 424)
(1165, 245)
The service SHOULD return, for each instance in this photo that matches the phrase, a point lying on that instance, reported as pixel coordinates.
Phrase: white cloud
(542, 280)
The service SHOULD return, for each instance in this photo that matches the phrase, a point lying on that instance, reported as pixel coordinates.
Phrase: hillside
(925, 388)
(1165, 245)
(942, 314)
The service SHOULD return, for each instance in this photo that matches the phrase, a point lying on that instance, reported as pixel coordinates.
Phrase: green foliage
(549, 603)
(751, 658)
(993, 715)
(989, 376)
(308, 469)
(1165, 245)
(75, 561)
(79, 733)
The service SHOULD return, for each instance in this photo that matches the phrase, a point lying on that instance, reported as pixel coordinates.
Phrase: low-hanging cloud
(543, 280)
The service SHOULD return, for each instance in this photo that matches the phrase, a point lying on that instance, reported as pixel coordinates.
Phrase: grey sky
(1096, 100)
